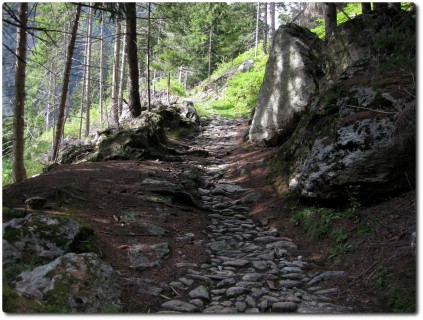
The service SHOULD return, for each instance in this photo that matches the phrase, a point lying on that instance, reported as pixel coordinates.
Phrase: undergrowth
(241, 92)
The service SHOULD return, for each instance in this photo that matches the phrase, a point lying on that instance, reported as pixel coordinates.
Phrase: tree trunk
(101, 68)
(18, 165)
(394, 5)
(88, 79)
(265, 28)
(330, 19)
(257, 30)
(210, 51)
(148, 58)
(186, 80)
(81, 110)
(272, 25)
(115, 76)
(366, 7)
(168, 88)
(122, 79)
(49, 105)
(180, 74)
(134, 100)
(66, 75)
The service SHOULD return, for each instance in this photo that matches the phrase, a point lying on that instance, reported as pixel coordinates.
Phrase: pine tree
(18, 169)
(65, 89)
(134, 101)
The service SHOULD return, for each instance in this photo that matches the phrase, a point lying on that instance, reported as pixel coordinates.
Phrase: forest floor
(380, 267)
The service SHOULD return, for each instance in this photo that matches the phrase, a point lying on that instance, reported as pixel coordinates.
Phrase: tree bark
(88, 79)
(330, 19)
(81, 110)
(134, 100)
(210, 51)
(272, 25)
(115, 76)
(257, 30)
(265, 28)
(148, 59)
(66, 75)
(366, 7)
(101, 68)
(122, 79)
(18, 165)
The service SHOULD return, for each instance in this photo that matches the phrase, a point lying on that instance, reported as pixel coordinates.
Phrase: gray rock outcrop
(73, 283)
(342, 134)
(50, 263)
(289, 84)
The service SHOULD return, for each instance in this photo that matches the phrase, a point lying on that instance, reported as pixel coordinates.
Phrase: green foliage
(316, 221)
(242, 89)
(176, 88)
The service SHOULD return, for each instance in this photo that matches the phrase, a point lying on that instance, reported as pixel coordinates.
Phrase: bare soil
(378, 261)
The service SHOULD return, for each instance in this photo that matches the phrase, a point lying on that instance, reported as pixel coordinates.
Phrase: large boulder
(133, 140)
(75, 283)
(289, 84)
(39, 238)
(345, 121)
(351, 152)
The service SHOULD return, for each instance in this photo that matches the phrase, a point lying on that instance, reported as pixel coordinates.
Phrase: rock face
(73, 283)
(343, 134)
(65, 275)
(42, 237)
(143, 137)
(289, 84)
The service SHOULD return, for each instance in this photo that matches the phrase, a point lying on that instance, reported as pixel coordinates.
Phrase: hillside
(283, 182)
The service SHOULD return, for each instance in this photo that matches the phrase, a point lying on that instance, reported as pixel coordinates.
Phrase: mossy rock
(71, 283)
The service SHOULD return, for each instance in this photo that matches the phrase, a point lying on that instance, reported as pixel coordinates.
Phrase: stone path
(251, 269)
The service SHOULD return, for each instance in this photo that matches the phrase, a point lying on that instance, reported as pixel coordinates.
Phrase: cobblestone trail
(251, 269)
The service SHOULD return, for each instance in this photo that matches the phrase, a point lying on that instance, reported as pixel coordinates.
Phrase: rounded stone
(201, 292)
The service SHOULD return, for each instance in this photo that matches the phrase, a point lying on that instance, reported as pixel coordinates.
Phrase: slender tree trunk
(168, 88)
(272, 24)
(115, 76)
(148, 58)
(155, 71)
(122, 79)
(18, 165)
(186, 80)
(265, 28)
(134, 100)
(81, 110)
(210, 51)
(66, 74)
(180, 74)
(49, 97)
(330, 19)
(366, 7)
(101, 68)
(257, 29)
(395, 5)
(88, 79)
